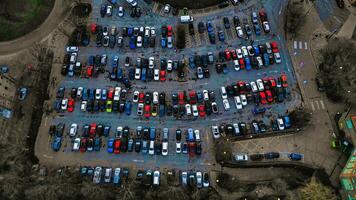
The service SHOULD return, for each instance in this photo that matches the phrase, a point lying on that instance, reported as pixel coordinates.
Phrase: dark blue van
(152, 133)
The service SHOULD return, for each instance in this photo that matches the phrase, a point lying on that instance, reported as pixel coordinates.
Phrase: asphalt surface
(196, 44)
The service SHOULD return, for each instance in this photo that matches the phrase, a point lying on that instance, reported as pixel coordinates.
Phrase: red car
(273, 82)
(227, 54)
(233, 54)
(242, 63)
(192, 97)
(181, 98)
(263, 97)
(147, 111)
(201, 109)
(269, 96)
(90, 71)
(71, 105)
(117, 144)
(274, 47)
(162, 75)
(284, 80)
(141, 97)
(111, 93)
(169, 31)
(242, 87)
(83, 145)
(191, 148)
(92, 130)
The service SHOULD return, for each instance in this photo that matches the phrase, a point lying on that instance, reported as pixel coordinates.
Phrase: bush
(294, 18)
(181, 39)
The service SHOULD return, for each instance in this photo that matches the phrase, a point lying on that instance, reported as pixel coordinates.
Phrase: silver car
(97, 175)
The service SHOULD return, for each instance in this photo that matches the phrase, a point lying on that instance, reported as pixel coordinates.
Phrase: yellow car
(154, 110)
(109, 106)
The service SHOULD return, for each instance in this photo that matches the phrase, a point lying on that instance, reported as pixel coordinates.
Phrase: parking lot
(195, 44)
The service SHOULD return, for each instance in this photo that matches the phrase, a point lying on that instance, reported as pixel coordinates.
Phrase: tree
(180, 37)
(294, 17)
(223, 151)
(316, 191)
(300, 117)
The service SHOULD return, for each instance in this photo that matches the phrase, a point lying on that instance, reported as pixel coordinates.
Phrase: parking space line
(305, 45)
(322, 104)
(295, 45)
(312, 106)
(317, 105)
(300, 45)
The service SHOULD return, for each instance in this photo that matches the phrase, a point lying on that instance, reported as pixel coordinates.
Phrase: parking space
(197, 44)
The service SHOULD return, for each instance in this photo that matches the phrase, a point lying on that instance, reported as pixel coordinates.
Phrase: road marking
(300, 45)
(295, 45)
(305, 45)
(205, 164)
(312, 106)
(141, 161)
(322, 104)
(317, 105)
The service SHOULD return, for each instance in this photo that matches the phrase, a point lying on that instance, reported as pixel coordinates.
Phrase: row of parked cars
(266, 156)
(109, 10)
(255, 127)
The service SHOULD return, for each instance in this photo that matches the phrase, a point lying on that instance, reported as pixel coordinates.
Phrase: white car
(239, 31)
(243, 99)
(250, 50)
(223, 92)
(269, 48)
(73, 58)
(197, 135)
(188, 109)
(200, 73)
(80, 92)
(156, 177)
(169, 65)
(226, 104)
(147, 31)
(169, 42)
(138, 73)
(215, 131)
(71, 49)
(167, 8)
(164, 148)
(117, 92)
(98, 94)
(97, 175)
(64, 104)
(206, 95)
(178, 147)
(151, 61)
(239, 53)
(76, 144)
(195, 110)
(140, 109)
(236, 65)
(280, 124)
(254, 86)
(135, 96)
(139, 41)
(132, 2)
(244, 51)
(73, 129)
(120, 12)
(266, 27)
(156, 75)
(241, 157)
(260, 85)
(155, 98)
(214, 106)
(259, 61)
(109, 11)
(238, 103)
(83, 106)
(199, 178)
(277, 58)
(153, 31)
(237, 128)
(151, 149)
(107, 175)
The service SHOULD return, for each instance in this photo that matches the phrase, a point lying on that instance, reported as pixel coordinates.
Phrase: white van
(186, 19)
(223, 92)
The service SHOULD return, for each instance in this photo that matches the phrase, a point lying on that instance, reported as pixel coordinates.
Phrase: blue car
(144, 147)
(132, 42)
(128, 107)
(119, 74)
(143, 74)
(257, 29)
(248, 63)
(115, 61)
(131, 74)
(295, 156)
(221, 36)
(97, 144)
(191, 62)
(164, 42)
(190, 136)
(117, 179)
(287, 123)
(130, 31)
(85, 94)
(91, 60)
(57, 105)
(91, 94)
(258, 110)
(104, 93)
(256, 50)
(107, 131)
(56, 144)
(209, 27)
(110, 145)
(152, 133)
(266, 59)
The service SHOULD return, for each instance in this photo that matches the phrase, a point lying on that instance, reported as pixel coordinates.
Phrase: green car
(109, 106)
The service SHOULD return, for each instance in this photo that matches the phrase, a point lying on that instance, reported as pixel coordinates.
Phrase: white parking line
(300, 45)
(138, 161)
(322, 104)
(312, 106)
(295, 45)
(317, 105)
(305, 45)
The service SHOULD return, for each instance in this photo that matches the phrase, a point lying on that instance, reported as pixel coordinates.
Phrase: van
(223, 92)
(151, 150)
(186, 19)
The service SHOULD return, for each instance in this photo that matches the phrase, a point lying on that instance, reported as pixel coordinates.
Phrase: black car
(201, 27)
(219, 68)
(263, 127)
(102, 10)
(198, 148)
(122, 107)
(138, 11)
(169, 110)
(208, 108)
(191, 29)
(236, 21)
(124, 32)
(100, 130)
(137, 145)
(152, 42)
(230, 91)
(133, 12)
(178, 134)
(112, 41)
(206, 73)
(162, 98)
(271, 155)
(204, 60)
(158, 148)
(256, 157)
(99, 39)
(148, 98)
(230, 130)
(212, 38)
(226, 22)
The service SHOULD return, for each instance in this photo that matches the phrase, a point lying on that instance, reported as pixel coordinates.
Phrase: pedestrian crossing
(317, 105)
(300, 45)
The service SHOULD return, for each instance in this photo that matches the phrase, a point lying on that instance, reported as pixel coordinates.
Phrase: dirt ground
(191, 4)
(20, 17)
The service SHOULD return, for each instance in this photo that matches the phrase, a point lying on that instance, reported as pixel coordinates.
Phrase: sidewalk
(348, 28)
